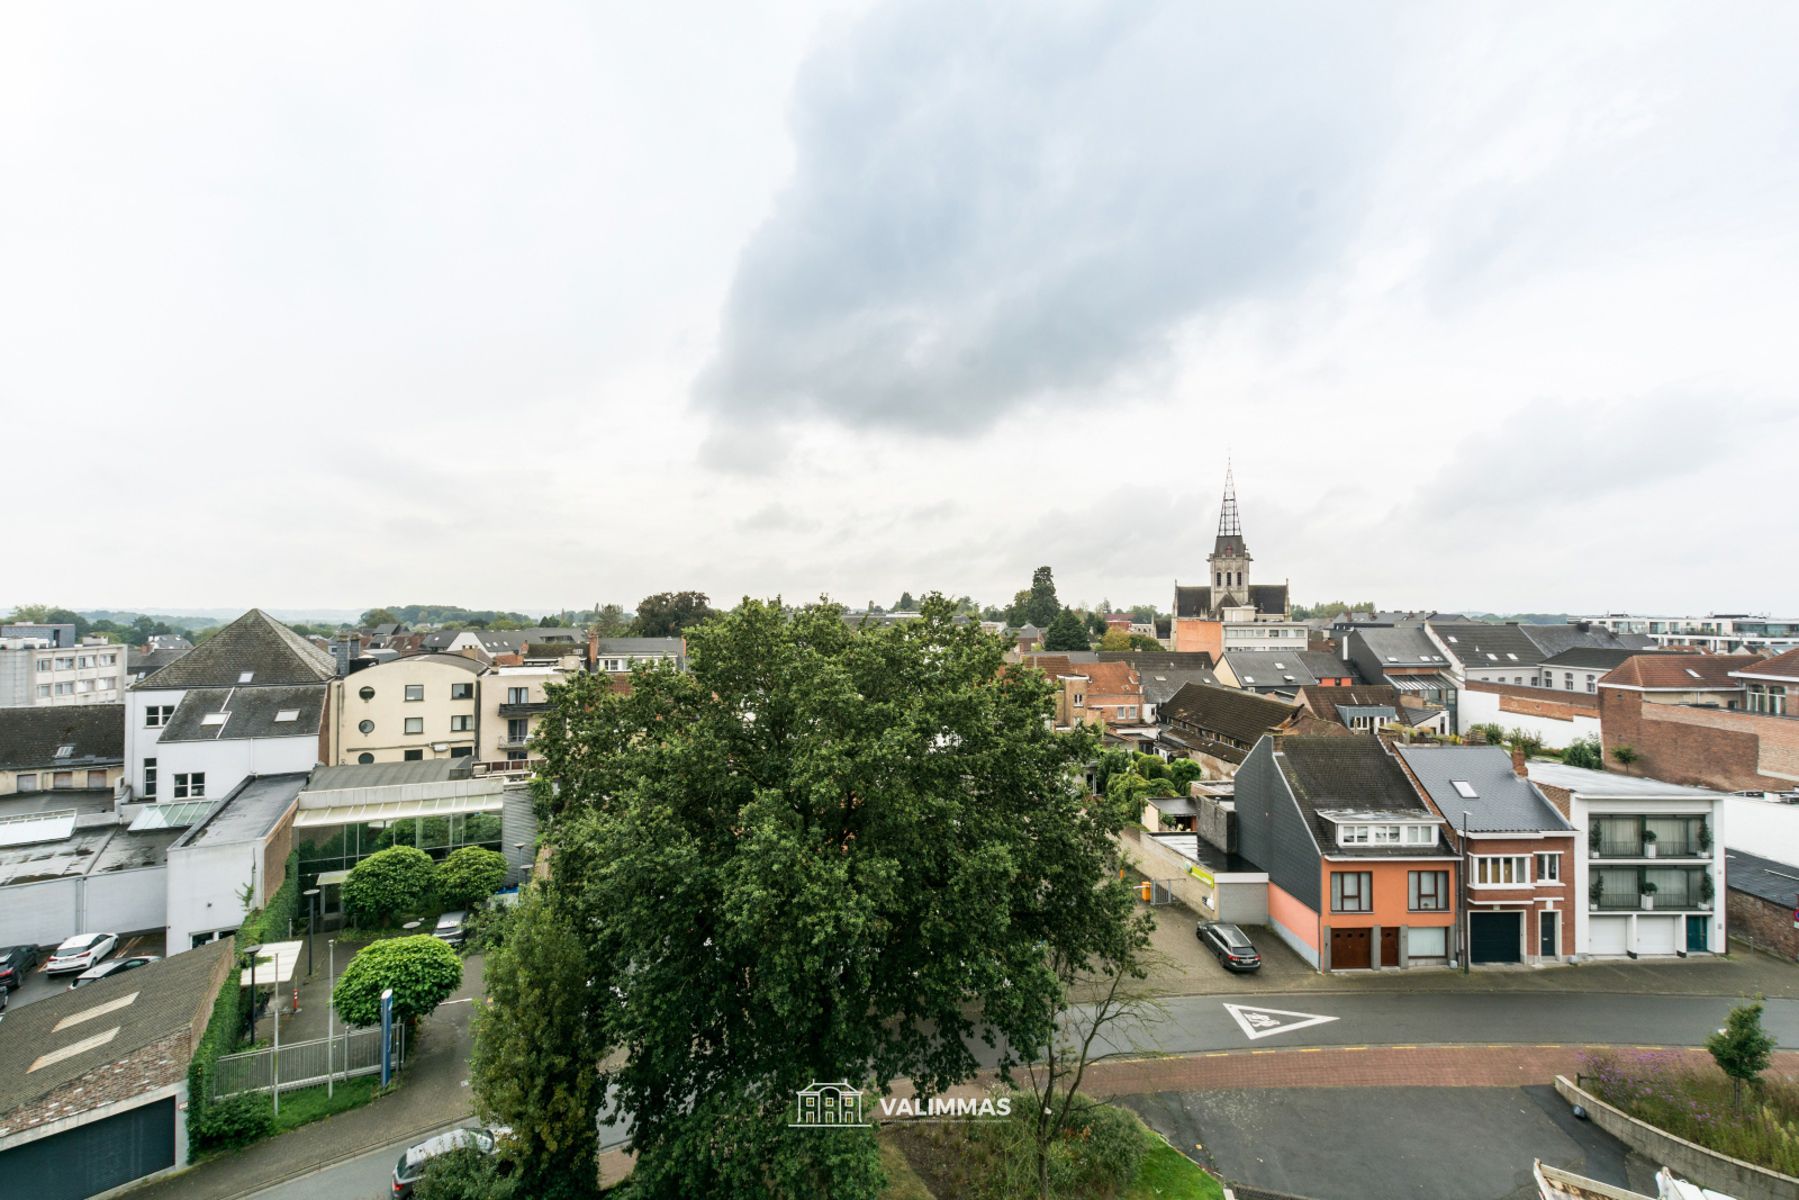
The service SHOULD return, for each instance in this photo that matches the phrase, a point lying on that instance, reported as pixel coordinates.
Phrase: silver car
(411, 1166)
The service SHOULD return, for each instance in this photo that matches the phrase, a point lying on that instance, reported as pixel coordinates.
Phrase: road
(366, 1177)
(40, 986)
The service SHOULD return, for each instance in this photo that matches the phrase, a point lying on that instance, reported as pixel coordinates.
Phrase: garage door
(93, 1158)
(1656, 935)
(1608, 935)
(1351, 948)
(1495, 937)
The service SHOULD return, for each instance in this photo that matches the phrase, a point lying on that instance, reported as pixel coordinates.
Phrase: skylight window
(1452, 637)
(246, 676)
(1511, 656)
(218, 718)
(288, 714)
(1464, 789)
(1492, 656)
(1694, 674)
(65, 751)
(1280, 666)
(1249, 679)
(72, 1049)
(99, 1010)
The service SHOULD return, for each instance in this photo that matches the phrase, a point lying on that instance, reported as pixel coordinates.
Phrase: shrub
(487, 928)
(398, 879)
(1585, 752)
(469, 876)
(1697, 1103)
(1099, 1154)
(235, 1121)
(1520, 738)
(421, 970)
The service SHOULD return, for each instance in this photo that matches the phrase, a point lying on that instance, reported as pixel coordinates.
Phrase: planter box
(1648, 849)
(1648, 903)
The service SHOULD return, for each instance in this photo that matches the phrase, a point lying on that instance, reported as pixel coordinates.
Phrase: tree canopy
(388, 882)
(670, 614)
(469, 876)
(806, 859)
(422, 970)
(1066, 632)
(1042, 607)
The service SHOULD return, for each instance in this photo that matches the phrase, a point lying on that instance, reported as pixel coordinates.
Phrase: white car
(80, 952)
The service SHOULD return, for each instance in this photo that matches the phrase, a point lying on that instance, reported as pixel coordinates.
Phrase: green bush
(1585, 752)
(398, 879)
(422, 970)
(235, 1121)
(487, 927)
(469, 876)
(1099, 1155)
(464, 1174)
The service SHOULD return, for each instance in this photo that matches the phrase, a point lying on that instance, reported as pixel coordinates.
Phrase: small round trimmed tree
(469, 876)
(422, 971)
(395, 880)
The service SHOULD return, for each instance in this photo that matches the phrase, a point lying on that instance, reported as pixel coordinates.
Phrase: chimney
(593, 647)
(1518, 767)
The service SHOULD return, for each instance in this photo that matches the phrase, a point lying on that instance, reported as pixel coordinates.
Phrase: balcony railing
(526, 710)
(1663, 901)
(1663, 849)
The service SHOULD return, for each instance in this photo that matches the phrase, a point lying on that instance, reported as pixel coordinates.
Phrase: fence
(305, 1064)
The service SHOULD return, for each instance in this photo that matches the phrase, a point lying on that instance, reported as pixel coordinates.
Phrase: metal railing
(305, 1064)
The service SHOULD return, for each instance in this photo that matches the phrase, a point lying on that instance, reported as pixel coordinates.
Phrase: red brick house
(1763, 902)
(1689, 720)
(1518, 852)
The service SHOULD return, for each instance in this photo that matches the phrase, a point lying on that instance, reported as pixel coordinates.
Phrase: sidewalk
(433, 1093)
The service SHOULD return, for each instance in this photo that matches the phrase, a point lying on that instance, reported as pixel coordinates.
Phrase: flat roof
(1605, 784)
(1214, 860)
(361, 775)
(93, 851)
(249, 813)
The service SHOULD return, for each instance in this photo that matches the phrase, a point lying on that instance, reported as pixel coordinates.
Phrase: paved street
(366, 1177)
(39, 986)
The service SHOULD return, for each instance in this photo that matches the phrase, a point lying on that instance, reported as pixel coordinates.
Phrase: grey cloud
(1023, 208)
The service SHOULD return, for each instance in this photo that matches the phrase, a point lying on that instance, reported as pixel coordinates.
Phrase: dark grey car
(1233, 949)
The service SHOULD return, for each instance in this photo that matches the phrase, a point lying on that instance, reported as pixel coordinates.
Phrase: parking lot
(39, 985)
(1182, 966)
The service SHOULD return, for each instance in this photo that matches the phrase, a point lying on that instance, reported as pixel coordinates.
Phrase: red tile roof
(1785, 666)
(1680, 672)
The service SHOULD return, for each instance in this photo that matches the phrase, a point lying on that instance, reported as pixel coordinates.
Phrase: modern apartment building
(1718, 633)
(43, 665)
(410, 709)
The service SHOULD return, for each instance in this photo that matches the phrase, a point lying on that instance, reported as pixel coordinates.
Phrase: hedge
(224, 1029)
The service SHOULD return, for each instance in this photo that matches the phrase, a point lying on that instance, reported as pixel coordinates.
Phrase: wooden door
(1351, 948)
(1389, 946)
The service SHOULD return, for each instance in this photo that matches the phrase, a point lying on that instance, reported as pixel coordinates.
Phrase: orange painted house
(1360, 874)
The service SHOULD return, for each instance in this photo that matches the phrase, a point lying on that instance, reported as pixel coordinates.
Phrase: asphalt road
(368, 1177)
(39, 986)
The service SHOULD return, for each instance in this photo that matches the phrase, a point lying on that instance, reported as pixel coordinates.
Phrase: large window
(190, 786)
(1386, 835)
(1352, 891)
(1768, 698)
(1502, 870)
(462, 691)
(1428, 891)
(1549, 868)
(521, 695)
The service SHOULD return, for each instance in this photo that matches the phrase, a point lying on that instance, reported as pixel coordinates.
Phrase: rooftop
(253, 651)
(249, 812)
(1610, 784)
(361, 775)
(1216, 861)
(1481, 645)
(240, 713)
(73, 1034)
(1773, 881)
(1780, 667)
(61, 738)
(1681, 672)
(1500, 801)
(99, 850)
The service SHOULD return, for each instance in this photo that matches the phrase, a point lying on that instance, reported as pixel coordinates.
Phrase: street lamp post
(330, 1025)
(312, 903)
(1467, 921)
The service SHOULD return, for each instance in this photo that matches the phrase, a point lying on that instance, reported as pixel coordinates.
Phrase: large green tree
(537, 1053)
(1066, 632)
(823, 853)
(469, 876)
(1042, 607)
(669, 614)
(422, 970)
(389, 882)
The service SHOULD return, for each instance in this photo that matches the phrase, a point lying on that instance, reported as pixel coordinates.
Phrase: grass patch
(306, 1105)
(903, 1182)
(1167, 1174)
(1695, 1103)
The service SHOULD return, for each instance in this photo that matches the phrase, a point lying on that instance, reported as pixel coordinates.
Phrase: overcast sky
(538, 305)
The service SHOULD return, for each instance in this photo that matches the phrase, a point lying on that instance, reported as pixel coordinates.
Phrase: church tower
(1229, 560)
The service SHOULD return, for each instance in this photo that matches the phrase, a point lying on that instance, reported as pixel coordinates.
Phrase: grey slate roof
(1328, 703)
(139, 663)
(255, 643)
(361, 775)
(1349, 775)
(1268, 599)
(1161, 683)
(641, 645)
(1553, 639)
(1480, 645)
(1242, 717)
(252, 713)
(171, 996)
(1590, 658)
(30, 737)
(1775, 882)
(1143, 660)
(1503, 802)
(1406, 646)
(1287, 670)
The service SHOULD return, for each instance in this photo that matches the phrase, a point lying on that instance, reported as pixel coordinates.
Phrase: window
(1352, 891)
(462, 691)
(66, 664)
(1507, 870)
(190, 786)
(1421, 835)
(43, 691)
(1352, 835)
(1427, 891)
(1592, 683)
(462, 724)
(365, 727)
(1549, 868)
(415, 756)
(108, 660)
(461, 751)
(415, 724)
(367, 693)
(85, 662)
(518, 695)
(27, 783)
(150, 778)
(1568, 680)
(43, 664)
(65, 689)
(415, 691)
(157, 715)
(96, 779)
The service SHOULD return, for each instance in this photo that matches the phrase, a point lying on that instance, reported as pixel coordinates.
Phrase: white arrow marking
(1265, 1022)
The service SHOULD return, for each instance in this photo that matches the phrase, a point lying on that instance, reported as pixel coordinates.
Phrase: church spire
(1228, 524)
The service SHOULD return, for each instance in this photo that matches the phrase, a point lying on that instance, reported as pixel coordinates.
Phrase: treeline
(126, 628)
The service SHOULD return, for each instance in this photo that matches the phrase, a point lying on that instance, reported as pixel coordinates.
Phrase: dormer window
(65, 751)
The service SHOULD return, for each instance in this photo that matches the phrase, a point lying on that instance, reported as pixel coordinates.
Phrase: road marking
(1257, 1022)
(464, 1000)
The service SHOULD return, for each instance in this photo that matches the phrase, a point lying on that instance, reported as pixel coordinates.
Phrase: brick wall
(1708, 747)
(154, 1066)
(1537, 702)
(1768, 925)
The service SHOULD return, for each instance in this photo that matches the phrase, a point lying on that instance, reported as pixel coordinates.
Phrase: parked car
(80, 952)
(107, 970)
(412, 1163)
(452, 927)
(1234, 950)
(16, 963)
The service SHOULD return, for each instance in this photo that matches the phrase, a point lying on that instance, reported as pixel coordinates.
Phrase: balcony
(1663, 903)
(531, 709)
(1677, 851)
(508, 742)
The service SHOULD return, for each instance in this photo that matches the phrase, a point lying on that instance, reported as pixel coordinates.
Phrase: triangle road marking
(1258, 1022)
